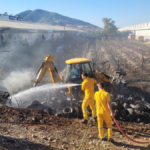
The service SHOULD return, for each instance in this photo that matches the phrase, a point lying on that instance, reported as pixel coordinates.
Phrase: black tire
(139, 96)
(67, 110)
(75, 112)
(5, 95)
(76, 93)
(110, 88)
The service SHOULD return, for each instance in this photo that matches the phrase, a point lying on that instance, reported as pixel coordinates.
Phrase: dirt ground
(28, 129)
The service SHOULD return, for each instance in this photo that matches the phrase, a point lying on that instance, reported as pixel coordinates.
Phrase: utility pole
(118, 64)
(135, 72)
(142, 65)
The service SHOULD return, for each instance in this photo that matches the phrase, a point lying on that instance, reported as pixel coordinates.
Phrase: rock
(92, 147)
(50, 139)
(117, 133)
(33, 129)
(94, 141)
(21, 136)
(135, 135)
(142, 123)
(33, 136)
(33, 119)
(91, 136)
(42, 121)
(72, 143)
(45, 138)
(90, 142)
(54, 141)
(105, 146)
(103, 142)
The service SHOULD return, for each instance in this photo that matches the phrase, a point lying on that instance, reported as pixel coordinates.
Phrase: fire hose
(128, 136)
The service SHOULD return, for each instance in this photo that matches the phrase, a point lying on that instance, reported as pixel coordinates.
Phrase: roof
(77, 60)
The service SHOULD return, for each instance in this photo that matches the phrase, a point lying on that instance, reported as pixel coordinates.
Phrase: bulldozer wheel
(109, 88)
(81, 94)
(77, 94)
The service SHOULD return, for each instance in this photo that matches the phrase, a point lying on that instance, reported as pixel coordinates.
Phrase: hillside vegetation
(25, 13)
(39, 15)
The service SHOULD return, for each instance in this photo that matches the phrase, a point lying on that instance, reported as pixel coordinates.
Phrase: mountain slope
(25, 13)
(50, 17)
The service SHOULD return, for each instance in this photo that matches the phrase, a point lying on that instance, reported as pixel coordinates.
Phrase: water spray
(45, 88)
(36, 90)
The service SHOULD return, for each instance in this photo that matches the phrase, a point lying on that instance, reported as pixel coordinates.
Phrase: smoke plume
(17, 81)
(27, 52)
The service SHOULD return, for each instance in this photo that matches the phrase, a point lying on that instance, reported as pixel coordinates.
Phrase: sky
(123, 12)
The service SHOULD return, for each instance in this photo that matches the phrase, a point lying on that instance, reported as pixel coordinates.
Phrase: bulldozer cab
(75, 67)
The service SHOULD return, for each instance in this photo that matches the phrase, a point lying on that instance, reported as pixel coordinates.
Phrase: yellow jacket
(102, 97)
(88, 87)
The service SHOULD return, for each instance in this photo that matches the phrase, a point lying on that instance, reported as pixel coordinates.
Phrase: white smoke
(17, 80)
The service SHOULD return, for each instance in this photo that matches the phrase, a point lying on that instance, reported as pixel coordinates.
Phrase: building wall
(30, 37)
(12, 18)
(2, 17)
(144, 33)
(143, 26)
(139, 30)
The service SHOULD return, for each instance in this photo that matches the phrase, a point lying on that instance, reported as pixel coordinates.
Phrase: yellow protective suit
(88, 87)
(103, 113)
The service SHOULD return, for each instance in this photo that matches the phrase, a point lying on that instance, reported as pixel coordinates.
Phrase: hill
(25, 13)
(39, 15)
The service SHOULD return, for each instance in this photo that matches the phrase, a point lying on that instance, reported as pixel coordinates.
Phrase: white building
(4, 17)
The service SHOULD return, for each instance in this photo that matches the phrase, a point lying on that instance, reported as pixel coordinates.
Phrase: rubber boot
(102, 139)
(111, 140)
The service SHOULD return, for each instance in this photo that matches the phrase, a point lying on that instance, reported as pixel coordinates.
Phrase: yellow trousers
(108, 121)
(88, 101)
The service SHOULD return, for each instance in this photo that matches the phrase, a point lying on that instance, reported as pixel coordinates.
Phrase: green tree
(109, 26)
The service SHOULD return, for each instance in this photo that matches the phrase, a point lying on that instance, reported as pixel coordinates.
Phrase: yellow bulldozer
(75, 67)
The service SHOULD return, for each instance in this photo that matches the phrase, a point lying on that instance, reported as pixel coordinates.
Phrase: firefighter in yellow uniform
(88, 87)
(104, 112)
